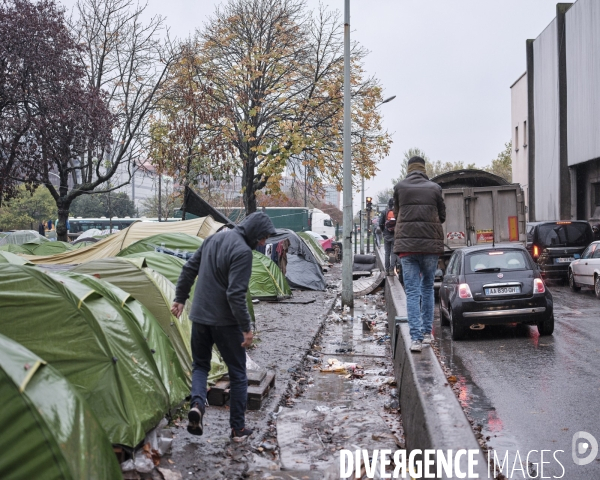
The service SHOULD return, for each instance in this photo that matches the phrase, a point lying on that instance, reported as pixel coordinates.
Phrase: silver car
(585, 271)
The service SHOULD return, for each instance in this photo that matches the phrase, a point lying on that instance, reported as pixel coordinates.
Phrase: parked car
(585, 272)
(554, 245)
(493, 285)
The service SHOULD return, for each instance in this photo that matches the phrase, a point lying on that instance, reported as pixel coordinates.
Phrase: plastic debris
(143, 464)
(128, 465)
(335, 366)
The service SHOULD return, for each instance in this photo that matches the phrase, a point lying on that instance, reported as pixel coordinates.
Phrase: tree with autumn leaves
(259, 92)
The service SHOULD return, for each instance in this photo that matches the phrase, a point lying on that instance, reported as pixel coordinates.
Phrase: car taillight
(538, 285)
(536, 251)
(464, 291)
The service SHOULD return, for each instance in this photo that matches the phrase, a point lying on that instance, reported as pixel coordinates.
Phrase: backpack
(390, 221)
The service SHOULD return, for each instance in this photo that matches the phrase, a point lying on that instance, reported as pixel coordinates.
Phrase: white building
(520, 171)
(556, 117)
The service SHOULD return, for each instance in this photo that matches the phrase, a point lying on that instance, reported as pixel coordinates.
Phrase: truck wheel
(546, 327)
(574, 287)
(443, 320)
(457, 331)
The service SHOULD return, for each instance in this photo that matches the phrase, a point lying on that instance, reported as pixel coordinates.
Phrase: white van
(321, 223)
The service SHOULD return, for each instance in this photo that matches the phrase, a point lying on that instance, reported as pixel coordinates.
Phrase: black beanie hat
(416, 160)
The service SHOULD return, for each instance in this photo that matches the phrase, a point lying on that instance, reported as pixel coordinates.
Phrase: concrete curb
(431, 415)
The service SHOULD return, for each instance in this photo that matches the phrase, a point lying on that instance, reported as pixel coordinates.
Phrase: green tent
(102, 353)
(171, 266)
(174, 378)
(165, 264)
(315, 248)
(173, 241)
(156, 293)
(50, 248)
(19, 237)
(78, 245)
(153, 290)
(7, 257)
(48, 430)
(12, 248)
(267, 280)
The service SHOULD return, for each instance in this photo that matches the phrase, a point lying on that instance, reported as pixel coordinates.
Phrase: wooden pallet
(257, 393)
(260, 383)
(218, 394)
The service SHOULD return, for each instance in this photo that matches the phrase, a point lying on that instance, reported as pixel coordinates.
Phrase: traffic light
(369, 203)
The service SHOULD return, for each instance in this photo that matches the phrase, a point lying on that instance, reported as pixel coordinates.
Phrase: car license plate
(502, 290)
(564, 259)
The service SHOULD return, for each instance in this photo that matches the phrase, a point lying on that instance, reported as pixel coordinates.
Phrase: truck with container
(298, 219)
(481, 208)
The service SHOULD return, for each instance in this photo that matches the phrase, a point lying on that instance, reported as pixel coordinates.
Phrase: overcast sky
(450, 65)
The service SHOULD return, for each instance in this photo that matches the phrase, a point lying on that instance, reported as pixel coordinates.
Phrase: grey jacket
(420, 212)
(223, 265)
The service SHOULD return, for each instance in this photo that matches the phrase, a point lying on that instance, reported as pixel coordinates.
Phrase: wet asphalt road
(531, 392)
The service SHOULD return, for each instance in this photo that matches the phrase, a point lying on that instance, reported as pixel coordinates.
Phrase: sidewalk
(310, 415)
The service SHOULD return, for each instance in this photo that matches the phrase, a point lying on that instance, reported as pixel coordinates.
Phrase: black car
(554, 245)
(493, 285)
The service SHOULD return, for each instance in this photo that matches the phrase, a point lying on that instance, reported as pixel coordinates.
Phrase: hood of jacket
(255, 226)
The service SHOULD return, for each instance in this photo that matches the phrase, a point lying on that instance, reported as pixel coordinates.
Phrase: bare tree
(128, 60)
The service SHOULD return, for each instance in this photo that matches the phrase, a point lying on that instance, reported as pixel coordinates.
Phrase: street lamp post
(347, 287)
(362, 195)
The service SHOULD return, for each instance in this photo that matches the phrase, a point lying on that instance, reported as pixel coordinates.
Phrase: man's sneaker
(240, 435)
(416, 346)
(195, 417)
(428, 338)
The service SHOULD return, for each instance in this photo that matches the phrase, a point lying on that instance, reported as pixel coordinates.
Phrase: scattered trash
(344, 350)
(314, 359)
(128, 465)
(268, 446)
(169, 474)
(143, 463)
(251, 364)
(335, 366)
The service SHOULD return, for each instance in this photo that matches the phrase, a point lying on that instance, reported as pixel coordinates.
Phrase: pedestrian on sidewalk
(219, 314)
(387, 224)
(419, 240)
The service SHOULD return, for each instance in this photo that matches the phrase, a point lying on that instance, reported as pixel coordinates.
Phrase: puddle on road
(475, 403)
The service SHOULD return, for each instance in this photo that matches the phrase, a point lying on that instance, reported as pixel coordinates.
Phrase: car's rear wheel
(546, 327)
(457, 331)
(574, 287)
(597, 286)
(443, 320)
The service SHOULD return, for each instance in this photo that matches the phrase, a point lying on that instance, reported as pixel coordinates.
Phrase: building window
(517, 138)
(596, 194)
(524, 133)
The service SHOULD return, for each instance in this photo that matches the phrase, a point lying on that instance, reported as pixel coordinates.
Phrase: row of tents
(90, 354)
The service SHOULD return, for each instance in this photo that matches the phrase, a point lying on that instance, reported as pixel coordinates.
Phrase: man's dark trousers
(229, 341)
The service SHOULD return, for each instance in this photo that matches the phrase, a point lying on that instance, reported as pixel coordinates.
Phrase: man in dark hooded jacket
(419, 240)
(223, 265)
